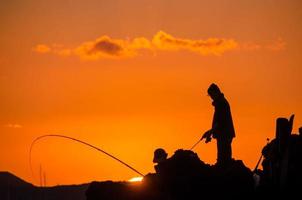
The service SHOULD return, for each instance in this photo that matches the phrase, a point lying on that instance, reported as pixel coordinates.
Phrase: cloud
(215, 46)
(250, 46)
(13, 126)
(277, 45)
(42, 48)
(104, 47)
(107, 47)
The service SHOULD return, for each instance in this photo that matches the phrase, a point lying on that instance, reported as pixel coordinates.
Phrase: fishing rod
(195, 144)
(206, 135)
(79, 141)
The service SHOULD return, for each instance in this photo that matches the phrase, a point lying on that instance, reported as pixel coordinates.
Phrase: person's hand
(208, 139)
(207, 135)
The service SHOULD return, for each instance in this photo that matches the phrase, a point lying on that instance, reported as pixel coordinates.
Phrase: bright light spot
(136, 179)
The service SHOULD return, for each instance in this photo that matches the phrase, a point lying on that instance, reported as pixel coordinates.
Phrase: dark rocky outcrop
(183, 176)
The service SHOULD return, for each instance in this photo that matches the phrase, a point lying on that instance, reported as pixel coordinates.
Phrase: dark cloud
(105, 45)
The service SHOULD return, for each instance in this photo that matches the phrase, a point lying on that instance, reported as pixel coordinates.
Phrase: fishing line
(79, 141)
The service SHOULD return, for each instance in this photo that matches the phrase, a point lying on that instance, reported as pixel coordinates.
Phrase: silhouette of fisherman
(160, 158)
(222, 126)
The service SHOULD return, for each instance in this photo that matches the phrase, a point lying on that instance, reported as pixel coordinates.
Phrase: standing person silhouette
(222, 126)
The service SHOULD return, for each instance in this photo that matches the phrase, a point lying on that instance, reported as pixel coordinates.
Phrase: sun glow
(136, 179)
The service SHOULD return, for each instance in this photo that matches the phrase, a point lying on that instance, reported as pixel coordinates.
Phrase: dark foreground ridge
(14, 188)
(183, 176)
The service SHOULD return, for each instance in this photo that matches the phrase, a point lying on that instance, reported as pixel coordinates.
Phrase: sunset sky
(130, 76)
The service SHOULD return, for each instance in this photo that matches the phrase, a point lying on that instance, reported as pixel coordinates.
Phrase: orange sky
(131, 76)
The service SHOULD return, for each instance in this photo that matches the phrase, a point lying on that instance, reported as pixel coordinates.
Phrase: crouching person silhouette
(160, 158)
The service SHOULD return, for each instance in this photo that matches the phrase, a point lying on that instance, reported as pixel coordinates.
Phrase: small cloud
(107, 46)
(215, 46)
(42, 48)
(277, 45)
(140, 43)
(13, 126)
(250, 46)
(63, 52)
(103, 47)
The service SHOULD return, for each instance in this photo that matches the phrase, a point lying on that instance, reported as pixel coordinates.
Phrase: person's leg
(224, 151)
(228, 149)
(219, 151)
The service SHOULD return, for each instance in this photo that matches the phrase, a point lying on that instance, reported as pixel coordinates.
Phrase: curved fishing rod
(82, 142)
